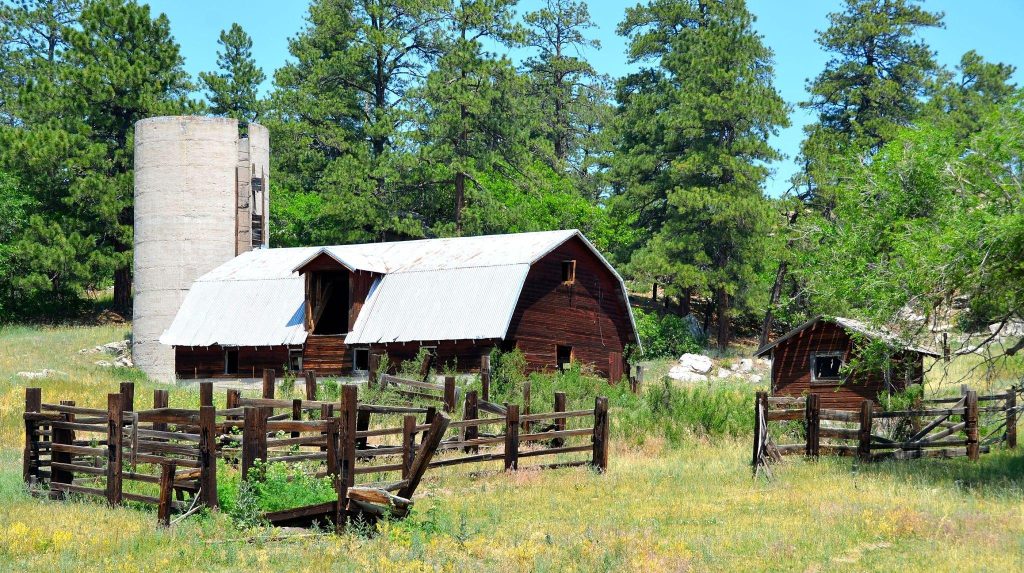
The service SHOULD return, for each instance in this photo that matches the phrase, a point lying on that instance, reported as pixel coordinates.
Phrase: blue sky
(992, 27)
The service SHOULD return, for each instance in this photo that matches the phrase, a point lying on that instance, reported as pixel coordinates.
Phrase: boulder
(696, 363)
(44, 373)
(755, 378)
(746, 365)
(723, 373)
(684, 374)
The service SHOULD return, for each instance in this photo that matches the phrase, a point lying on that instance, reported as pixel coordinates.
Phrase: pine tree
(233, 91)
(341, 116)
(73, 150)
(693, 129)
(572, 94)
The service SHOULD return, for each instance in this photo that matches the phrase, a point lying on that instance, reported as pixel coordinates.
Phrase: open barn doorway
(329, 302)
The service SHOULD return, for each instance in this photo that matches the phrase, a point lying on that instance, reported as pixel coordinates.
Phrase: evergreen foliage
(233, 91)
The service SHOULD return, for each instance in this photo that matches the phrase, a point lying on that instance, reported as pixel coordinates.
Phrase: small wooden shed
(810, 359)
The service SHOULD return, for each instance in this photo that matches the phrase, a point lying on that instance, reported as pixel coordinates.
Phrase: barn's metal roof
(450, 253)
(462, 288)
(472, 303)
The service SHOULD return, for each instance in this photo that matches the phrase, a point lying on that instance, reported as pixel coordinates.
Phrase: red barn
(810, 359)
(550, 294)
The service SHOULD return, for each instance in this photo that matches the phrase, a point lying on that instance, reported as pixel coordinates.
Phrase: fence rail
(946, 432)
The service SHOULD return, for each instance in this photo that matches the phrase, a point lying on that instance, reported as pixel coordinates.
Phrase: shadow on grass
(998, 473)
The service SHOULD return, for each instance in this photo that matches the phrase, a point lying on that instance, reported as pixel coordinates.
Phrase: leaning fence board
(786, 400)
(377, 469)
(913, 454)
(298, 457)
(917, 445)
(838, 433)
(72, 488)
(78, 450)
(558, 434)
(77, 468)
(387, 379)
(839, 415)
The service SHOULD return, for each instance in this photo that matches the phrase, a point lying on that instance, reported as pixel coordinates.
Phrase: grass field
(692, 506)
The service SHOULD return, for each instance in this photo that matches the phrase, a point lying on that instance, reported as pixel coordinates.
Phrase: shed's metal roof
(472, 303)
(462, 288)
(850, 325)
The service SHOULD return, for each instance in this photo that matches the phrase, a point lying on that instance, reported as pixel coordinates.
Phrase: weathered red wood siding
(464, 355)
(590, 315)
(791, 369)
(208, 361)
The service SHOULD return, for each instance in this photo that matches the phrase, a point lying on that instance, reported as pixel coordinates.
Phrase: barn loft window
(563, 357)
(231, 361)
(826, 366)
(360, 359)
(568, 272)
(295, 360)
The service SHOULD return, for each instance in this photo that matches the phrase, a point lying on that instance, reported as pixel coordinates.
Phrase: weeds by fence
(938, 428)
(168, 456)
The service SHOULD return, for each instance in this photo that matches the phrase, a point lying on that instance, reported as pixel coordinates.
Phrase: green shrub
(287, 384)
(328, 390)
(269, 487)
(668, 335)
(509, 373)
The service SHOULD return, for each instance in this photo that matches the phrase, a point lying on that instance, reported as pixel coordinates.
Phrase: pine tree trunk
(722, 303)
(684, 302)
(123, 290)
(769, 317)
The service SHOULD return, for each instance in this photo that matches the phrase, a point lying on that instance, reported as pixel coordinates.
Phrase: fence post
(269, 381)
(349, 407)
(1011, 417)
(362, 424)
(760, 403)
(326, 413)
(331, 444)
(449, 394)
(408, 443)
(296, 414)
(637, 380)
(485, 376)
(812, 416)
(115, 436)
(527, 387)
(472, 412)
(127, 390)
(971, 420)
(208, 454)
(559, 422)
(163, 513)
(65, 437)
(864, 432)
(205, 394)
(160, 400)
(254, 438)
(233, 398)
(600, 460)
(373, 364)
(512, 437)
(310, 384)
(30, 459)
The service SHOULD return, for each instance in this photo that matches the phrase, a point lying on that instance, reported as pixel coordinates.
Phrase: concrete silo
(201, 198)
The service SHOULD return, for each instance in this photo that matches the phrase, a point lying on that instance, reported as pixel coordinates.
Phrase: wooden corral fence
(937, 428)
(375, 454)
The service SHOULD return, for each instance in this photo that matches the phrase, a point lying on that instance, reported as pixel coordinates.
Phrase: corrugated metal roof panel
(442, 304)
(240, 313)
(449, 253)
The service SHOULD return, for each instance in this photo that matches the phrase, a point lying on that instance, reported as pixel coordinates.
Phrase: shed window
(826, 366)
(569, 272)
(295, 359)
(563, 357)
(360, 359)
(231, 361)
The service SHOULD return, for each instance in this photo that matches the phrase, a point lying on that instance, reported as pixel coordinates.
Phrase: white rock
(684, 374)
(755, 378)
(696, 363)
(723, 373)
(104, 363)
(44, 373)
(734, 367)
(746, 365)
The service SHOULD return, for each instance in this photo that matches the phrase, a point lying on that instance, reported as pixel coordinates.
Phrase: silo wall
(185, 221)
